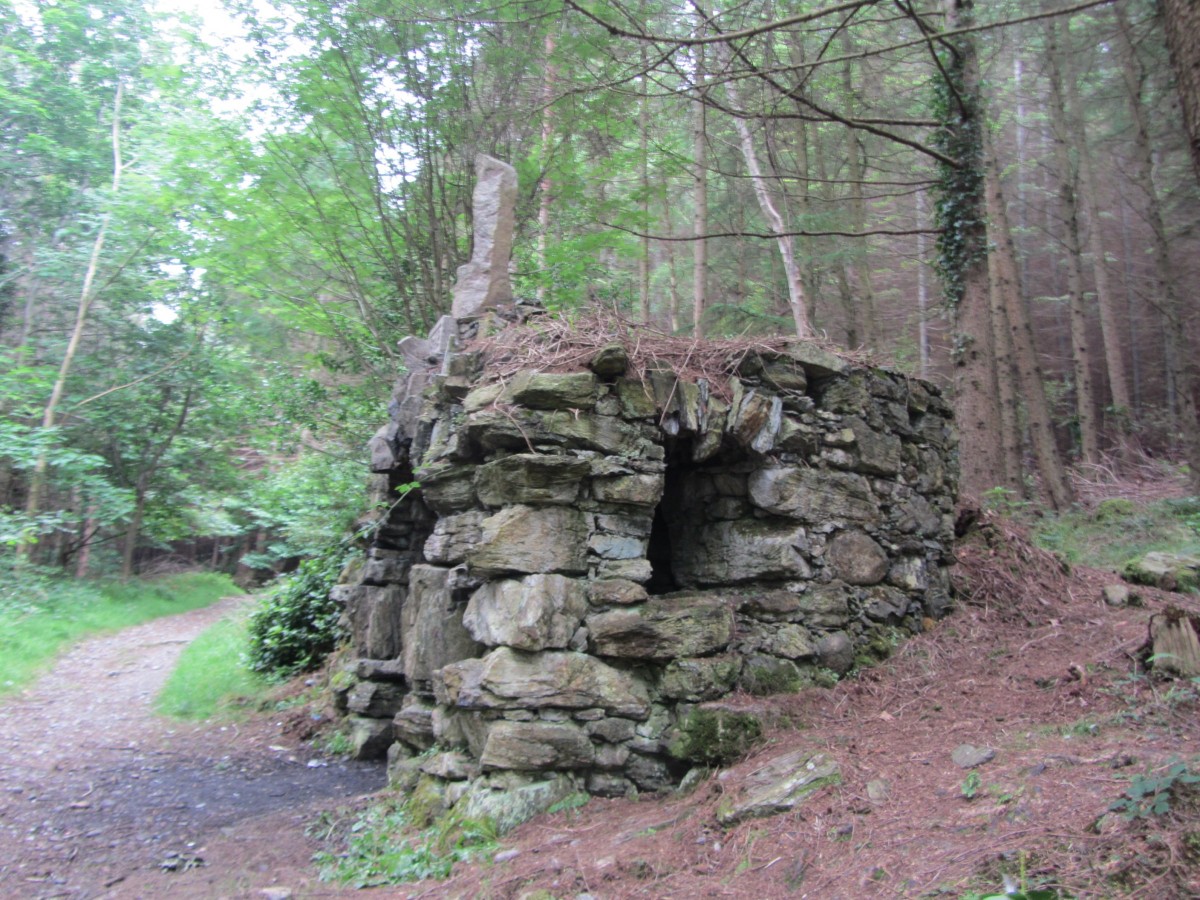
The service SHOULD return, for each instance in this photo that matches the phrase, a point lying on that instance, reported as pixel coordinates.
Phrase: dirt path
(100, 798)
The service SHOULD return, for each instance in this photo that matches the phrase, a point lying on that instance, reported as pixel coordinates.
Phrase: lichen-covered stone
(856, 558)
(374, 614)
(695, 680)
(764, 675)
(537, 390)
(532, 613)
(511, 799)
(588, 431)
(787, 640)
(536, 746)
(413, 724)
(531, 540)
(814, 496)
(778, 787)
(634, 490)
(378, 699)
(532, 478)
(369, 738)
(511, 679)
(835, 651)
(453, 537)
(610, 360)
(663, 628)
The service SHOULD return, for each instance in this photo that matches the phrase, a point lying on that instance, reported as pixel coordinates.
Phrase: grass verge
(41, 613)
(212, 673)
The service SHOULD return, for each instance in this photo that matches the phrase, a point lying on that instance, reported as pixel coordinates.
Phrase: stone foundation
(593, 562)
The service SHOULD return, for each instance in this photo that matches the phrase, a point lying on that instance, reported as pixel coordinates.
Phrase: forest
(215, 228)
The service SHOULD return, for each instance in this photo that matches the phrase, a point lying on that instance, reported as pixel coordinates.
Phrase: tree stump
(1175, 643)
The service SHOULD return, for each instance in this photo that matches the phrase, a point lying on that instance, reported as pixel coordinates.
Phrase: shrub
(296, 625)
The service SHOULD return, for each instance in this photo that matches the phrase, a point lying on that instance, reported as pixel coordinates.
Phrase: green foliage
(212, 674)
(959, 208)
(41, 612)
(296, 624)
(570, 802)
(1151, 794)
(1118, 531)
(382, 846)
(970, 786)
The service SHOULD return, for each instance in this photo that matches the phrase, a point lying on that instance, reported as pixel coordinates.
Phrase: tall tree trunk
(1002, 283)
(545, 186)
(86, 295)
(804, 245)
(922, 286)
(965, 263)
(1066, 163)
(859, 264)
(1029, 371)
(1181, 22)
(644, 186)
(699, 199)
(1176, 325)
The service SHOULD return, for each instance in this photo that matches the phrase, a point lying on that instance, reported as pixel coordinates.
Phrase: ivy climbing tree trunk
(962, 246)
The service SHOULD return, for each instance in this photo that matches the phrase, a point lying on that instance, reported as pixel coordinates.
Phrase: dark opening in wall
(660, 551)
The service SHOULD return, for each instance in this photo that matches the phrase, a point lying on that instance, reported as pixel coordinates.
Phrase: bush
(296, 625)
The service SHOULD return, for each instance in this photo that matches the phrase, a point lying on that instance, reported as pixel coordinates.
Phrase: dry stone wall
(594, 561)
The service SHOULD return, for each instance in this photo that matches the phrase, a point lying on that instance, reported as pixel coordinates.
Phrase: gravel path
(101, 798)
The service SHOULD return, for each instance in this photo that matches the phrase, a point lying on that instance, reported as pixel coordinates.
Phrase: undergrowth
(41, 612)
(382, 845)
(296, 624)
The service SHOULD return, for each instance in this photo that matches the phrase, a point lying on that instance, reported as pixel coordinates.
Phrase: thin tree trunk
(699, 200)
(795, 287)
(1065, 162)
(86, 296)
(1029, 370)
(858, 212)
(644, 185)
(922, 287)
(545, 186)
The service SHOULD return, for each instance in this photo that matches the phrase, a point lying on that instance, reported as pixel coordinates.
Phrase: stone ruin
(597, 566)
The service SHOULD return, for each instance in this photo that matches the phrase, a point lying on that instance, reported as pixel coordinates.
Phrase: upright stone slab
(483, 283)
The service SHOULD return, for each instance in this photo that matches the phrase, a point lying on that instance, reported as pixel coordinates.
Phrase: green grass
(41, 613)
(1118, 531)
(211, 674)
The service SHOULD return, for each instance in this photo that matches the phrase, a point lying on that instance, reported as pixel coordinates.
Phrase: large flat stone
(530, 478)
(537, 390)
(531, 540)
(512, 679)
(814, 496)
(537, 746)
(665, 627)
(778, 787)
(742, 550)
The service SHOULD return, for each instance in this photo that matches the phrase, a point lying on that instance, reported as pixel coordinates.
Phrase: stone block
(532, 613)
(512, 679)
(856, 559)
(433, 625)
(530, 478)
(694, 680)
(531, 540)
(664, 627)
(454, 537)
(815, 496)
(536, 746)
(634, 490)
(537, 390)
(740, 551)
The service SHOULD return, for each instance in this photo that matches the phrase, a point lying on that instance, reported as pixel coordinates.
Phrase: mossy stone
(715, 736)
